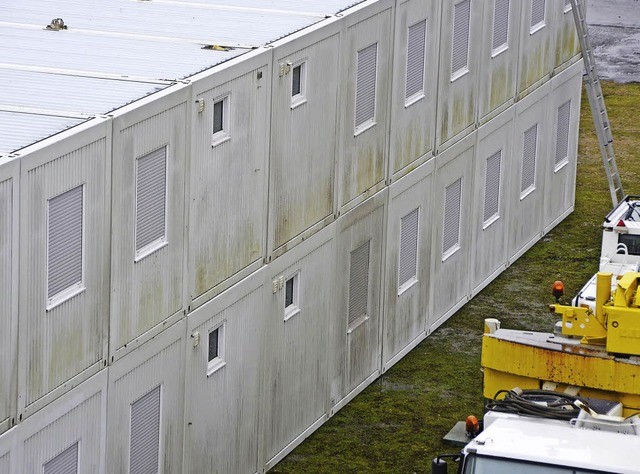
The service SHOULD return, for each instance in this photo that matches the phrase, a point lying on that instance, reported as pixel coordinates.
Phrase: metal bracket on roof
(56, 24)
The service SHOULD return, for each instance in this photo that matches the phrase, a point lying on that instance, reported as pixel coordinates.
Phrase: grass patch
(396, 425)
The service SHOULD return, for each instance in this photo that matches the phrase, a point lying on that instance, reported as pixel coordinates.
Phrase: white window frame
(223, 135)
(414, 279)
(541, 24)
(219, 361)
(416, 97)
(301, 97)
(160, 242)
(294, 308)
(367, 124)
(458, 73)
(79, 287)
(567, 7)
(504, 46)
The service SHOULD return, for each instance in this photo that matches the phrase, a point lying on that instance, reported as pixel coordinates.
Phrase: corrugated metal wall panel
(80, 426)
(8, 362)
(537, 46)
(62, 342)
(147, 289)
(157, 364)
(303, 141)
(412, 129)
(567, 44)
(222, 407)
(227, 185)
(364, 149)
(5, 464)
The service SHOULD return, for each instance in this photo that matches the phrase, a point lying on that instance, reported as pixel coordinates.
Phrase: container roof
(113, 52)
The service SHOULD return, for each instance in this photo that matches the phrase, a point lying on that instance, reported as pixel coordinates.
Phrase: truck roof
(556, 442)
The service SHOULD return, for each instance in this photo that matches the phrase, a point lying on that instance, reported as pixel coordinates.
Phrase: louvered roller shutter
(562, 133)
(537, 12)
(64, 463)
(366, 84)
(64, 241)
(359, 282)
(144, 447)
(408, 261)
(151, 194)
(460, 50)
(416, 41)
(451, 224)
(529, 159)
(492, 186)
(500, 24)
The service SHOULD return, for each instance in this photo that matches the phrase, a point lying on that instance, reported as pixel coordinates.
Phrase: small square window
(215, 350)
(298, 84)
(291, 296)
(220, 120)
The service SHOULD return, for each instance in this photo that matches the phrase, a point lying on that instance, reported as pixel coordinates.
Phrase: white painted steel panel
(67, 95)
(407, 306)
(412, 127)
(457, 89)
(158, 363)
(561, 176)
(567, 50)
(537, 47)
(222, 407)
(363, 150)
(450, 270)
(498, 67)
(297, 350)
(228, 179)
(8, 291)
(526, 209)
(77, 417)
(147, 288)
(5, 464)
(303, 138)
(66, 340)
(20, 130)
(489, 241)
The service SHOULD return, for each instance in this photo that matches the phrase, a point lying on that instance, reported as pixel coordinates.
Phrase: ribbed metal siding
(492, 186)
(416, 44)
(500, 23)
(144, 445)
(359, 282)
(5, 463)
(151, 198)
(529, 159)
(460, 50)
(366, 84)
(65, 241)
(64, 463)
(562, 132)
(451, 224)
(537, 12)
(408, 259)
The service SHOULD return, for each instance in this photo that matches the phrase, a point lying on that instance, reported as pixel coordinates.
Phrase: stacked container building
(220, 220)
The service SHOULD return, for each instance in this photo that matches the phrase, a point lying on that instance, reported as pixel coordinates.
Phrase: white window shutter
(537, 12)
(562, 133)
(359, 282)
(64, 241)
(366, 84)
(492, 186)
(460, 50)
(451, 224)
(408, 261)
(144, 444)
(529, 150)
(416, 42)
(64, 463)
(151, 198)
(500, 24)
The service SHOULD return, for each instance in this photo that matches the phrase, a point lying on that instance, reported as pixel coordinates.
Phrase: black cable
(538, 403)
